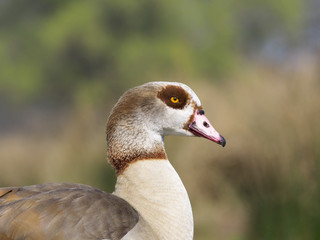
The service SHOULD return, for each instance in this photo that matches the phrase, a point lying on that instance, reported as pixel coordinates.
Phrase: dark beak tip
(223, 142)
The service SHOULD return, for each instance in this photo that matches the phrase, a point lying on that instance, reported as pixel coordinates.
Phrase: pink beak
(200, 126)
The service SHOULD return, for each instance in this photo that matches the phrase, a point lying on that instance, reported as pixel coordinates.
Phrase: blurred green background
(254, 64)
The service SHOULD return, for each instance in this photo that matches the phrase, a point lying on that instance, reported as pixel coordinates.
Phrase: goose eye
(174, 99)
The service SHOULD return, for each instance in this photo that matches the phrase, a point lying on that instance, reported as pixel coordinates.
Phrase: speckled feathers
(142, 116)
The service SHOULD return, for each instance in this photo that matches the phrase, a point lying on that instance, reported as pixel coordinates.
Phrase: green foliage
(48, 49)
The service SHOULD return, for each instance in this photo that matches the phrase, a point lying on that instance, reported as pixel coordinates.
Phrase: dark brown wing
(62, 211)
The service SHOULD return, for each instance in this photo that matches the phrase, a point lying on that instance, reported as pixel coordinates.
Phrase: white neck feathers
(156, 191)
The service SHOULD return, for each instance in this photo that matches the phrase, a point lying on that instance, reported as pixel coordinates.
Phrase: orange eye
(174, 99)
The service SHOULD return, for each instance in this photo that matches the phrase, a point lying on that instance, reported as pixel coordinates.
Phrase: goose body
(149, 201)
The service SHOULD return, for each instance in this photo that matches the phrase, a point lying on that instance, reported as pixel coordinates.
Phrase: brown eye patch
(174, 96)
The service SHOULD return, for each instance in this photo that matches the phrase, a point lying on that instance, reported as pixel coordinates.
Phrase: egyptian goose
(149, 201)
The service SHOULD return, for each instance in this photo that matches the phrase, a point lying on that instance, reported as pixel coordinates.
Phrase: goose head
(145, 114)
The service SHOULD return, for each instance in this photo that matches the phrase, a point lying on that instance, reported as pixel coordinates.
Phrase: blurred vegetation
(54, 50)
(254, 65)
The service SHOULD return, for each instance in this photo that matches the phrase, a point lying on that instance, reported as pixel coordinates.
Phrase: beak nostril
(206, 124)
